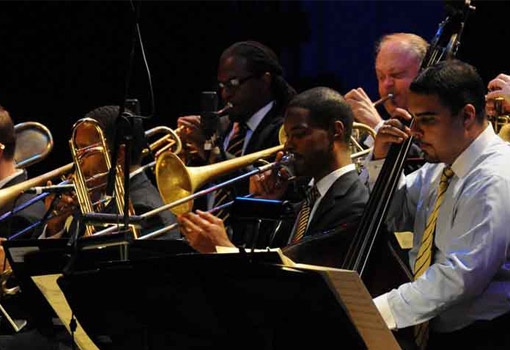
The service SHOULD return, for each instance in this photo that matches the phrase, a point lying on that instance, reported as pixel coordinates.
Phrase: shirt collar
(255, 119)
(325, 183)
(5, 181)
(466, 160)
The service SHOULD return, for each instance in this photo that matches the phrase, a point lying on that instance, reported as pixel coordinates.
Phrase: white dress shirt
(469, 278)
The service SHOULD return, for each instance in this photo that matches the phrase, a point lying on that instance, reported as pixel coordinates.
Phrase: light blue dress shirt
(469, 279)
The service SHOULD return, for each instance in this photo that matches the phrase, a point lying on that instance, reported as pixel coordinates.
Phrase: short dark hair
(7, 134)
(261, 59)
(106, 116)
(326, 106)
(456, 83)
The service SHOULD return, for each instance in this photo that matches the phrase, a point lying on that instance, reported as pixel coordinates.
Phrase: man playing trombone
(144, 195)
(11, 175)
(318, 124)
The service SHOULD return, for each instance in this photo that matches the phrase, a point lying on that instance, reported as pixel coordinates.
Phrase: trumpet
(170, 141)
(499, 120)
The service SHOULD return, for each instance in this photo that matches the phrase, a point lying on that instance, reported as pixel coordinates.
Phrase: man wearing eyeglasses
(250, 79)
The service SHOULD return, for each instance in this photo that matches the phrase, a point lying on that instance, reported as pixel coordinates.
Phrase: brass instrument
(92, 160)
(499, 120)
(176, 181)
(33, 143)
(382, 100)
(170, 141)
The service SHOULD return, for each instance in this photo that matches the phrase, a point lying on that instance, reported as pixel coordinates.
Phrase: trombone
(177, 183)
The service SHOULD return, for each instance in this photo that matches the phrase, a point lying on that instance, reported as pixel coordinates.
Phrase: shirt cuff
(381, 302)
(369, 141)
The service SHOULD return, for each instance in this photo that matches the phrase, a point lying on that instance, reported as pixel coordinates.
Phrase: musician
(250, 77)
(10, 175)
(37, 334)
(318, 124)
(397, 62)
(143, 194)
(461, 284)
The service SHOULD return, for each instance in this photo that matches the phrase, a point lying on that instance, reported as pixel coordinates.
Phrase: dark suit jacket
(265, 136)
(23, 218)
(145, 197)
(334, 222)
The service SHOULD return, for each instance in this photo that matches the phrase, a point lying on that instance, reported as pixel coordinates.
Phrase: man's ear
(339, 129)
(267, 78)
(469, 115)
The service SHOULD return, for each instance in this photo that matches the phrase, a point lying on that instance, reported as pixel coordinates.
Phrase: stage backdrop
(59, 59)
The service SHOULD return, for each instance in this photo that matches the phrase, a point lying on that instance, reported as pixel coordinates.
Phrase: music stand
(208, 301)
(255, 221)
(38, 257)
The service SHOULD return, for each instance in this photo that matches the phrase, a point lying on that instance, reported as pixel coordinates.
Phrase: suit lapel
(332, 198)
(263, 130)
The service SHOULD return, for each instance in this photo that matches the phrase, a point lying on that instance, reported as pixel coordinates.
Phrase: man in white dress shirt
(463, 294)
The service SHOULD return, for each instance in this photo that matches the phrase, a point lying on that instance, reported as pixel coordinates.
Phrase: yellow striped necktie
(424, 257)
(304, 213)
(235, 148)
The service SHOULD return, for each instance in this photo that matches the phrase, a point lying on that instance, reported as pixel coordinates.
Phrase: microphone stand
(123, 136)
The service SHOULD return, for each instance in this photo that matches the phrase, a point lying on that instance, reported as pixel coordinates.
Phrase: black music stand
(216, 301)
(255, 221)
(38, 257)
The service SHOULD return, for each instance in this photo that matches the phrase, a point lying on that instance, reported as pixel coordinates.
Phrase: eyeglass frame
(235, 83)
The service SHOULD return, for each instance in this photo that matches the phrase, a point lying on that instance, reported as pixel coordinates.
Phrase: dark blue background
(59, 59)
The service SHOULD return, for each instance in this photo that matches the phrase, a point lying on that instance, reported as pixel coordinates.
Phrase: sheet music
(353, 294)
(47, 284)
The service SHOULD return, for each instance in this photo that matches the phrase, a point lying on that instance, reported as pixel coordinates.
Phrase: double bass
(367, 247)
(372, 246)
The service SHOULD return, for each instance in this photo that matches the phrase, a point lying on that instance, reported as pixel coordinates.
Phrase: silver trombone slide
(165, 229)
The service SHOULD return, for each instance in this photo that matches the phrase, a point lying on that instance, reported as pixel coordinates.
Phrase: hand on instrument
(271, 184)
(63, 208)
(498, 87)
(204, 231)
(392, 131)
(191, 132)
(362, 107)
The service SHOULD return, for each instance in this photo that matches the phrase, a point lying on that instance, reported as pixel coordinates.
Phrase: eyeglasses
(234, 83)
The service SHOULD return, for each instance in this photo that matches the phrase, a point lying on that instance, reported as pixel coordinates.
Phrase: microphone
(208, 117)
(51, 189)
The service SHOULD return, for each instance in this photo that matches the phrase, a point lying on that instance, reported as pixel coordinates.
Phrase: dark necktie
(235, 148)
(424, 257)
(304, 214)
